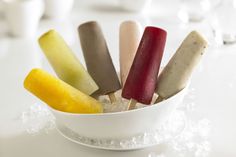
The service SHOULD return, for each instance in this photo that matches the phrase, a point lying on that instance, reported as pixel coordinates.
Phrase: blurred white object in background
(194, 10)
(58, 9)
(135, 5)
(222, 21)
(1, 9)
(23, 16)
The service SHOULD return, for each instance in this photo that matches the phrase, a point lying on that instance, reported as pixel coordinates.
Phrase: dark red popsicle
(142, 78)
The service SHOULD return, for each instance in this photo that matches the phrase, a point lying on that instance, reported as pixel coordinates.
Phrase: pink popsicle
(142, 78)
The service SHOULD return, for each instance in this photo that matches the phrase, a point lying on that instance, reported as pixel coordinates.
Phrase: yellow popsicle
(60, 95)
(64, 62)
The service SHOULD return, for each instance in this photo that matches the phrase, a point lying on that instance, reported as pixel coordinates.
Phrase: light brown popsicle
(175, 75)
(129, 38)
(98, 60)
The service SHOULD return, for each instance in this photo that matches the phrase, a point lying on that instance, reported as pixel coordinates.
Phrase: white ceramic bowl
(119, 125)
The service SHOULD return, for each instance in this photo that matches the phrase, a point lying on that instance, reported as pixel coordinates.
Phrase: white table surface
(213, 97)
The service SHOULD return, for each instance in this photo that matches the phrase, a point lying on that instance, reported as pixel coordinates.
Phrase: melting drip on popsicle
(64, 62)
(98, 60)
(177, 72)
(141, 81)
(60, 95)
(130, 35)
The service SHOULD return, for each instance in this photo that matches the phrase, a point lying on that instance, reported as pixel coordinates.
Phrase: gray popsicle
(97, 57)
(175, 75)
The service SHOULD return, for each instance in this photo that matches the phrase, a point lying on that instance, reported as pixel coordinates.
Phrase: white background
(214, 81)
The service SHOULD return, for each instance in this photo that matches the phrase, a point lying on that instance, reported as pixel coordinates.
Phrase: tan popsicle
(129, 38)
(175, 75)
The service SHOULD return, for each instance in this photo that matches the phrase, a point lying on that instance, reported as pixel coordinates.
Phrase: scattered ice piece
(190, 106)
(193, 141)
(37, 118)
(168, 131)
(204, 127)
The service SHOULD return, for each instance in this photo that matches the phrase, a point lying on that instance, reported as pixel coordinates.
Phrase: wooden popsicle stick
(112, 97)
(132, 104)
(159, 99)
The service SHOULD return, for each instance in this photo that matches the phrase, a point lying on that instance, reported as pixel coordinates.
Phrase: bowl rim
(121, 112)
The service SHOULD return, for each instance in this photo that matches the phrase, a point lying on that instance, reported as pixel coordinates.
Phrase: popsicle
(175, 75)
(98, 59)
(60, 95)
(64, 62)
(141, 81)
(130, 36)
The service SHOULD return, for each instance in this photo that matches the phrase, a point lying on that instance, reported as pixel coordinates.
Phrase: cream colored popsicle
(175, 75)
(60, 95)
(130, 36)
(64, 62)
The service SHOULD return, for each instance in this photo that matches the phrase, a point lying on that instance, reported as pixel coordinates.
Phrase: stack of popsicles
(76, 90)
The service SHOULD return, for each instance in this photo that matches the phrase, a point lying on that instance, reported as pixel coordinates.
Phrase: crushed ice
(38, 118)
(118, 106)
(169, 130)
(183, 136)
(193, 141)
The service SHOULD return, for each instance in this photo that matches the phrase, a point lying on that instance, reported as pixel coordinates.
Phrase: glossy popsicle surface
(64, 62)
(129, 38)
(141, 81)
(175, 75)
(60, 95)
(98, 59)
